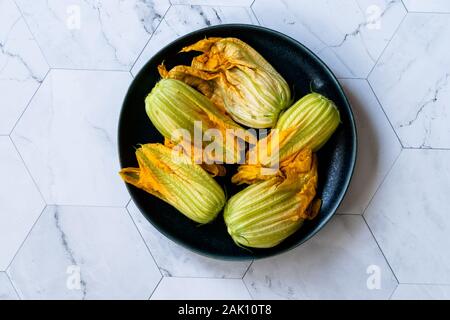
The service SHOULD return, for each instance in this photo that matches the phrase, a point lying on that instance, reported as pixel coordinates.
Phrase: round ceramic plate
(302, 71)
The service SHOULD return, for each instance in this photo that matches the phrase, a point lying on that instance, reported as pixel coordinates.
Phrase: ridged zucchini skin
(178, 181)
(265, 213)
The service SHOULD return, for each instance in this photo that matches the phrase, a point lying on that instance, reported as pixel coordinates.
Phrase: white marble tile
(181, 20)
(409, 217)
(22, 65)
(200, 289)
(174, 260)
(84, 253)
(16, 215)
(67, 137)
(427, 5)
(412, 81)
(7, 291)
(421, 292)
(241, 3)
(332, 265)
(92, 34)
(348, 35)
(378, 146)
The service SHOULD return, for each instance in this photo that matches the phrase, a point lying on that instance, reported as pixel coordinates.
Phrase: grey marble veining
(93, 34)
(181, 20)
(84, 253)
(349, 35)
(22, 66)
(61, 150)
(412, 81)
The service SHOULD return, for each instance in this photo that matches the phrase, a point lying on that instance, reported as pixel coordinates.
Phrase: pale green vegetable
(237, 79)
(173, 106)
(308, 124)
(178, 181)
(267, 212)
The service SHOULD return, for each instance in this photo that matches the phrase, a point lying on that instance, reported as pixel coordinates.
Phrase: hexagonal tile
(427, 6)
(349, 35)
(22, 66)
(343, 261)
(176, 261)
(409, 217)
(67, 137)
(378, 146)
(7, 291)
(97, 34)
(421, 292)
(84, 253)
(412, 81)
(16, 215)
(192, 18)
(200, 289)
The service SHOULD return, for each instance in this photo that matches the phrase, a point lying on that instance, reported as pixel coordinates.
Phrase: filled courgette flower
(304, 127)
(267, 212)
(179, 111)
(237, 79)
(177, 180)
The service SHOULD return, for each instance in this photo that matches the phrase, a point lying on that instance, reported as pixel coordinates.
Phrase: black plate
(302, 70)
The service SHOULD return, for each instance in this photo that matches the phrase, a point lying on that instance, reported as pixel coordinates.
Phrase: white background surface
(64, 210)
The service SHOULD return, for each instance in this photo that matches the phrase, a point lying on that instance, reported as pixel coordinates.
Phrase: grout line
(210, 5)
(381, 183)
(145, 243)
(385, 114)
(243, 280)
(420, 148)
(404, 6)
(382, 253)
(150, 38)
(254, 14)
(29, 102)
(83, 206)
(86, 69)
(393, 291)
(248, 268)
(248, 290)
(28, 171)
(156, 287)
(368, 205)
(202, 277)
(25, 239)
(428, 12)
(31, 32)
(387, 46)
(14, 287)
(426, 284)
